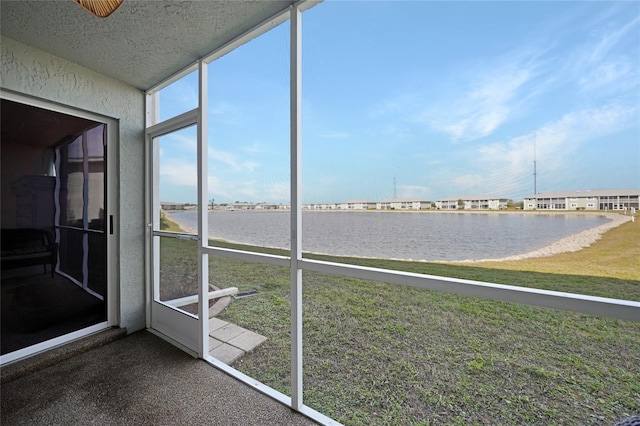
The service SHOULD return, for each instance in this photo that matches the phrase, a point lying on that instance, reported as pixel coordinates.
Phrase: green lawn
(167, 224)
(615, 255)
(375, 353)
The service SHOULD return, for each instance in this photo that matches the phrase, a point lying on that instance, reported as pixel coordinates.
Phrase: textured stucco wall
(33, 72)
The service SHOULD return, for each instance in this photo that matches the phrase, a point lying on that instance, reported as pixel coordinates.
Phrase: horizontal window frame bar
(627, 310)
(266, 259)
(585, 304)
(254, 32)
(176, 235)
(172, 78)
(54, 106)
(167, 304)
(55, 342)
(189, 300)
(263, 27)
(179, 122)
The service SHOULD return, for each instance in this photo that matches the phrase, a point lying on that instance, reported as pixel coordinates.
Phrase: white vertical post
(296, 209)
(203, 218)
(152, 258)
(152, 113)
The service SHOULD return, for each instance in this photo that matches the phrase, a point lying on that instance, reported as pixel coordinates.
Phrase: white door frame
(112, 150)
(164, 319)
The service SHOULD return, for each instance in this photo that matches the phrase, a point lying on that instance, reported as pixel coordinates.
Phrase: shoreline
(571, 243)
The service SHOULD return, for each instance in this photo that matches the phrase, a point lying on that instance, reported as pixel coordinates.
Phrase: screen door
(174, 240)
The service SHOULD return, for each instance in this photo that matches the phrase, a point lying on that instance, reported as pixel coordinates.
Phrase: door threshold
(24, 366)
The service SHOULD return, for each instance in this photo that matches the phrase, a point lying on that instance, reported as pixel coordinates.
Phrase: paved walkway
(228, 342)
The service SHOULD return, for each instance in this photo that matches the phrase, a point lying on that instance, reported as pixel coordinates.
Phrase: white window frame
(621, 309)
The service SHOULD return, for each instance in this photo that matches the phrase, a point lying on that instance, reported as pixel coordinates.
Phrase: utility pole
(535, 173)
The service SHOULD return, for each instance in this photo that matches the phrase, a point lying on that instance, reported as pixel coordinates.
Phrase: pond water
(433, 236)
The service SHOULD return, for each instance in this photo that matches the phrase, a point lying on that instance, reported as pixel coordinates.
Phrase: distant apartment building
(472, 203)
(356, 205)
(241, 206)
(320, 206)
(396, 204)
(403, 204)
(596, 199)
(266, 206)
(254, 206)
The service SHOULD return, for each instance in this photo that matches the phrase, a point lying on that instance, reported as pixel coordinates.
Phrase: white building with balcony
(476, 202)
(591, 199)
(403, 204)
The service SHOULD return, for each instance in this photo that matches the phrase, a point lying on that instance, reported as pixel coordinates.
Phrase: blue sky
(423, 99)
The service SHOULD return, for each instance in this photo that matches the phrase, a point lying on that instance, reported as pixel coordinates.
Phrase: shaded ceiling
(143, 42)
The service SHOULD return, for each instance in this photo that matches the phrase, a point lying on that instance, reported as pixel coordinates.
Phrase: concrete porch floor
(139, 379)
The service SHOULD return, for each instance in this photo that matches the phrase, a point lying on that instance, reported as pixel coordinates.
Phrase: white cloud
(609, 40)
(180, 143)
(471, 104)
(277, 191)
(587, 124)
(221, 189)
(254, 148)
(232, 160)
(482, 109)
(476, 101)
(601, 64)
(486, 107)
(506, 168)
(178, 172)
(247, 190)
(608, 74)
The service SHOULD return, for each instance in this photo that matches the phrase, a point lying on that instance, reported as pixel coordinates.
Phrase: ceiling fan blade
(100, 8)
